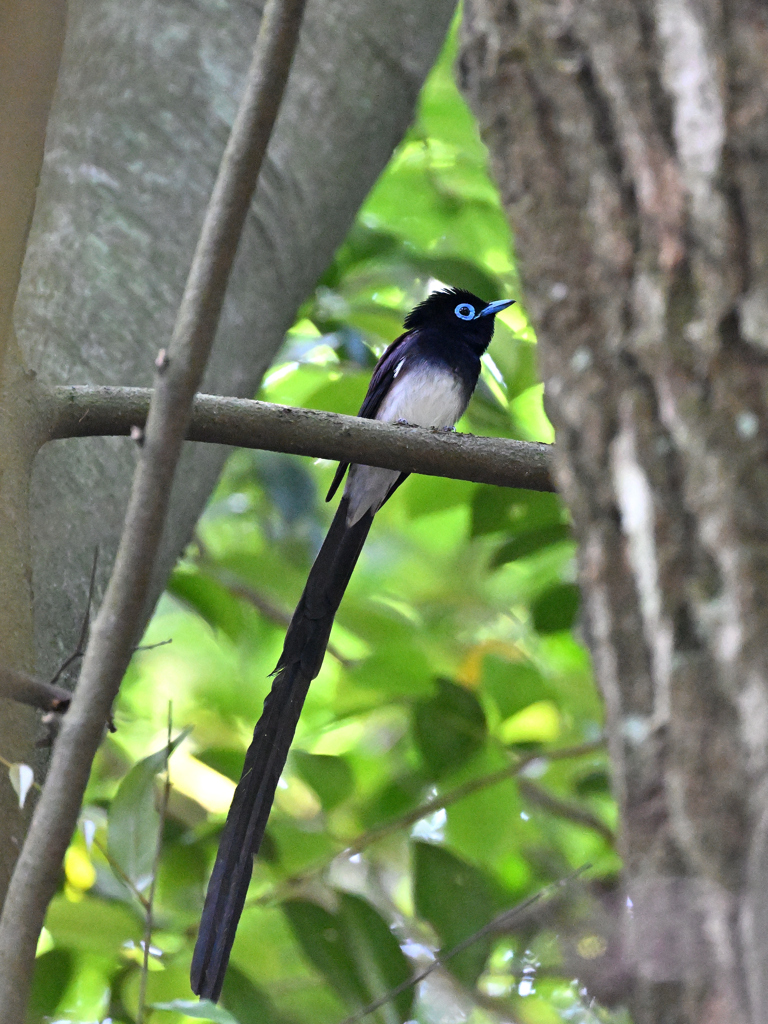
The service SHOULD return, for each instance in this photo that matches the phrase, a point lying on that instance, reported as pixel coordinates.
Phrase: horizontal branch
(97, 411)
(26, 689)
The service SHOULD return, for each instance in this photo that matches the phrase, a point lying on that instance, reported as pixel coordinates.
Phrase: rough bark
(630, 143)
(144, 103)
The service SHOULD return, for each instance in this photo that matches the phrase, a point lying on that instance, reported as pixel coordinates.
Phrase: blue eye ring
(465, 311)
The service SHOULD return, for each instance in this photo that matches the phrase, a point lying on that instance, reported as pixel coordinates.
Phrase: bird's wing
(384, 373)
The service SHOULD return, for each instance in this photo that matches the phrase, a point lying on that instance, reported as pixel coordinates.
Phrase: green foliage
(330, 777)
(458, 900)
(452, 656)
(353, 949)
(133, 819)
(203, 1009)
(449, 728)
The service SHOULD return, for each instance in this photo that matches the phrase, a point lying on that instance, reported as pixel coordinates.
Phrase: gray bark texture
(145, 99)
(630, 143)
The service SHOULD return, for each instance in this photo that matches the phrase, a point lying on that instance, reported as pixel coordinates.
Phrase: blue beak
(495, 307)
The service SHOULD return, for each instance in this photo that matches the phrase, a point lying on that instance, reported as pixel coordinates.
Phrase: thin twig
(124, 609)
(118, 871)
(155, 868)
(259, 601)
(440, 802)
(499, 923)
(565, 809)
(153, 647)
(435, 803)
(27, 689)
(94, 411)
(80, 649)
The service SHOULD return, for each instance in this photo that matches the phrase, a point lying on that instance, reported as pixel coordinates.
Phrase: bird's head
(458, 313)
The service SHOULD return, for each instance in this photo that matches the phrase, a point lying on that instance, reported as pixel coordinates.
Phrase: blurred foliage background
(453, 675)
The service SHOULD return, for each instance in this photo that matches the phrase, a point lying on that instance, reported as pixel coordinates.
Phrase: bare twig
(26, 689)
(88, 411)
(123, 611)
(500, 923)
(259, 601)
(565, 809)
(119, 873)
(149, 908)
(435, 803)
(79, 651)
(439, 802)
(153, 647)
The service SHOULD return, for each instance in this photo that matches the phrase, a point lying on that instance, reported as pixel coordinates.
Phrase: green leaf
(511, 508)
(203, 1009)
(525, 374)
(529, 542)
(425, 494)
(490, 509)
(461, 273)
(395, 798)
(226, 761)
(458, 900)
(298, 849)
(133, 820)
(448, 727)
(343, 394)
(330, 777)
(321, 935)
(593, 781)
(214, 602)
(512, 685)
(247, 1002)
(381, 963)
(53, 972)
(354, 950)
(288, 484)
(92, 925)
(556, 608)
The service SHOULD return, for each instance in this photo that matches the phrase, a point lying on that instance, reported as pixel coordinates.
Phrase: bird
(425, 378)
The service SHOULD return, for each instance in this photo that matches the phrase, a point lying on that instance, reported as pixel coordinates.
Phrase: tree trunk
(31, 38)
(630, 143)
(144, 103)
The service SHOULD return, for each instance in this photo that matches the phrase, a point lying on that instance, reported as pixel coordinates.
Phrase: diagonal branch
(500, 923)
(567, 809)
(435, 803)
(89, 411)
(122, 613)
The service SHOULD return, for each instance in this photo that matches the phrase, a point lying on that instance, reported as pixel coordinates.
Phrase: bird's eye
(464, 311)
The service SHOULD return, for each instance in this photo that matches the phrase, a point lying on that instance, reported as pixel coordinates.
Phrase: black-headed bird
(426, 377)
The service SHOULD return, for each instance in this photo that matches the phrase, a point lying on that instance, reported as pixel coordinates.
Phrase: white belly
(425, 397)
(421, 396)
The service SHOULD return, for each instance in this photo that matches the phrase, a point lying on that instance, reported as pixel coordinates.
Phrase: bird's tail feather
(303, 651)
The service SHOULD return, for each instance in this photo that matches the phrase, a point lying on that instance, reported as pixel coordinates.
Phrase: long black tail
(303, 652)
